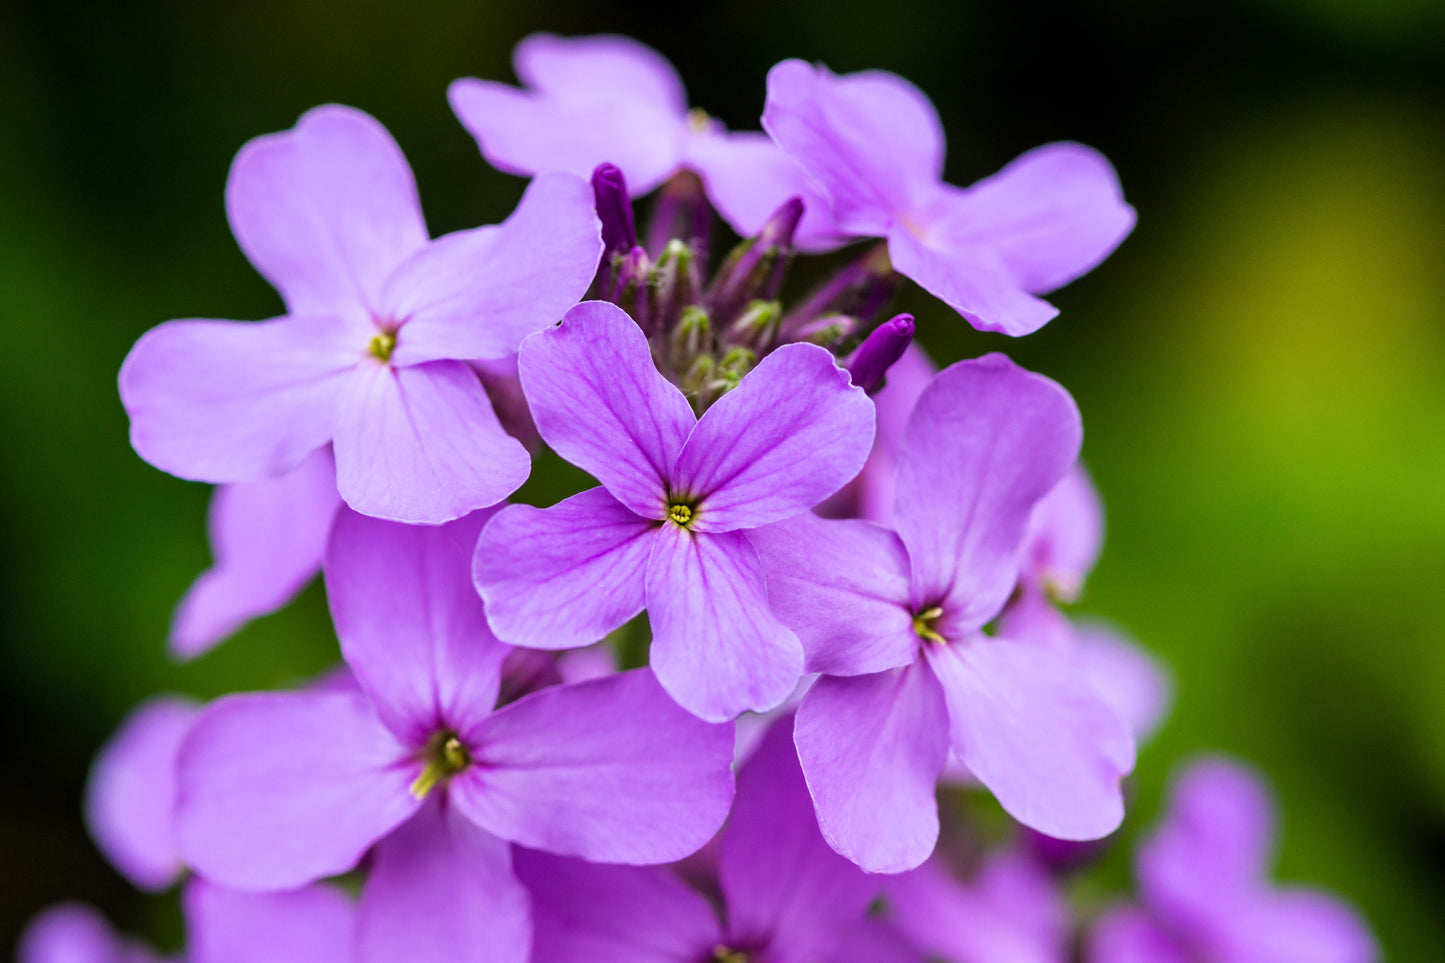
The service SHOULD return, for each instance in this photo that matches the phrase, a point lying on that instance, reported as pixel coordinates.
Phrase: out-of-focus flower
(874, 144)
(894, 621)
(371, 356)
(278, 789)
(786, 897)
(1205, 895)
(668, 530)
(611, 100)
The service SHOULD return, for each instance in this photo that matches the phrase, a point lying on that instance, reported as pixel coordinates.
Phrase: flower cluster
(854, 566)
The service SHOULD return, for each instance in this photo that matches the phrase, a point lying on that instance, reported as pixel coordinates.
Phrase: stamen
(382, 345)
(925, 622)
(724, 954)
(680, 513)
(698, 120)
(445, 756)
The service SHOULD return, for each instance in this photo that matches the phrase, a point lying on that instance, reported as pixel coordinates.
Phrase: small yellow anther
(680, 513)
(382, 345)
(724, 954)
(697, 120)
(925, 625)
(445, 757)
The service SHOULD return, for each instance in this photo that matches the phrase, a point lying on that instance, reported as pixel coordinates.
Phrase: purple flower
(267, 538)
(595, 100)
(1205, 892)
(895, 621)
(1066, 532)
(278, 789)
(669, 528)
(873, 143)
(371, 356)
(309, 925)
(130, 794)
(785, 896)
(1010, 912)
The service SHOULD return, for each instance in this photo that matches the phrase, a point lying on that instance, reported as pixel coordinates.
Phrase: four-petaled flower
(668, 530)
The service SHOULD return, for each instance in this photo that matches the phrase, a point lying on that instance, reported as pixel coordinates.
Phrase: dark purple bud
(870, 363)
(860, 289)
(681, 212)
(614, 210)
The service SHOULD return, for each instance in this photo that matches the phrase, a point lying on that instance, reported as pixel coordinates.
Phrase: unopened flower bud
(829, 331)
(675, 284)
(630, 291)
(870, 363)
(755, 269)
(682, 212)
(614, 210)
(860, 289)
(691, 339)
(757, 326)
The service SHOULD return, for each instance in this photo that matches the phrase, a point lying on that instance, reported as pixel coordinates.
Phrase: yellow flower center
(383, 343)
(445, 756)
(925, 625)
(680, 513)
(723, 954)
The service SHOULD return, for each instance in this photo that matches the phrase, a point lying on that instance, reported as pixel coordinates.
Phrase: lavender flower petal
(422, 444)
(717, 648)
(600, 403)
(793, 432)
(1048, 746)
(565, 576)
(309, 925)
(325, 211)
(411, 626)
(275, 790)
(267, 539)
(871, 748)
(610, 770)
(442, 889)
(843, 587)
(229, 401)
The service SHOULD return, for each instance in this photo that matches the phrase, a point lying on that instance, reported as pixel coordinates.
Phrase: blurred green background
(1261, 367)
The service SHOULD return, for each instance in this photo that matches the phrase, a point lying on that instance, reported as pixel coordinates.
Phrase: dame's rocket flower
(278, 789)
(873, 143)
(595, 100)
(1205, 892)
(668, 530)
(309, 925)
(371, 356)
(896, 620)
(267, 537)
(785, 896)
(130, 795)
(1011, 911)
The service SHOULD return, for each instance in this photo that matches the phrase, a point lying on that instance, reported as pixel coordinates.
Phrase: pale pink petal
(411, 625)
(229, 401)
(565, 576)
(871, 747)
(267, 539)
(870, 140)
(275, 790)
(874, 940)
(600, 403)
(843, 587)
(986, 441)
(598, 70)
(76, 933)
(610, 770)
(1065, 534)
(870, 495)
(1301, 926)
(131, 793)
(311, 925)
(793, 432)
(717, 648)
(422, 444)
(1126, 935)
(443, 889)
(614, 914)
(1048, 746)
(1129, 677)
(326, 210)
(476, 294)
